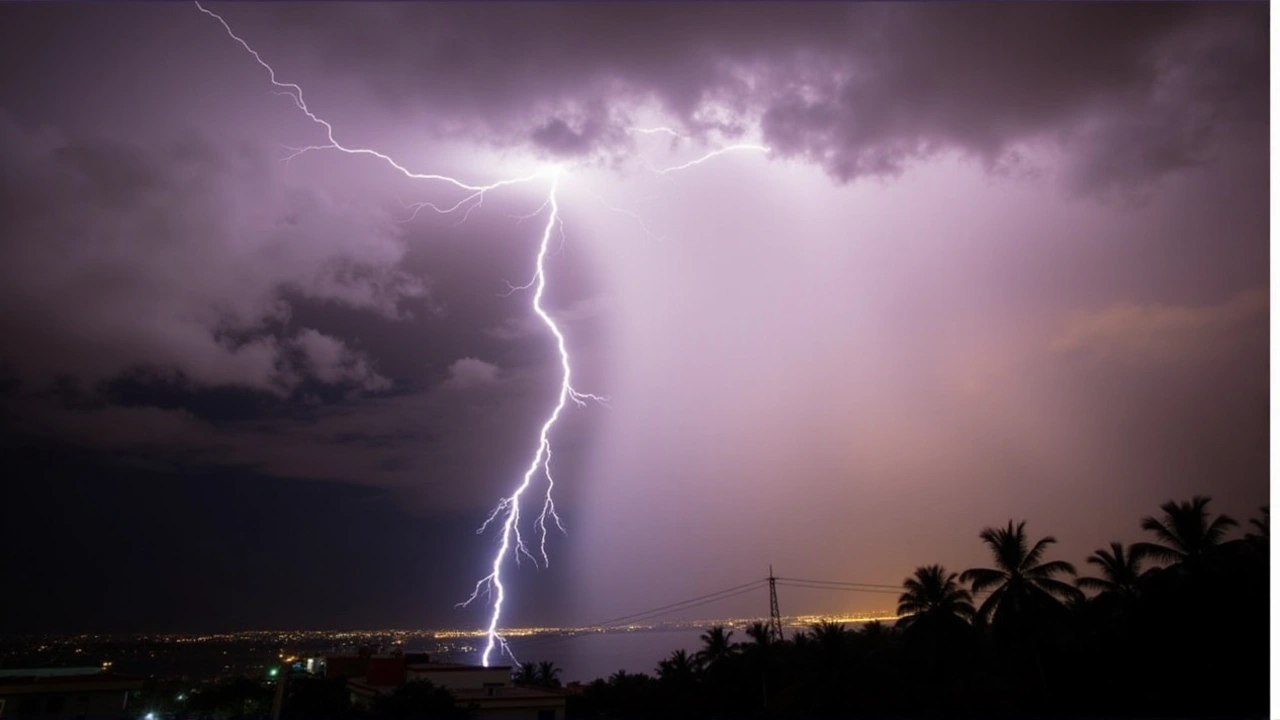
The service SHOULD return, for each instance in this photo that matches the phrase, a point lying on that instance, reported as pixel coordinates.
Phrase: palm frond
(988, 607)
(1262, 524)
(1165, 533)
(1059, 589)
(1218, 528)
(1154, 551)
(910, 606)
(1051, 568)
(982, 578)
(1033, 556)
(1096, 584)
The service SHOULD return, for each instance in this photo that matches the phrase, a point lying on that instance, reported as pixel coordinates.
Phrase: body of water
(587, 656)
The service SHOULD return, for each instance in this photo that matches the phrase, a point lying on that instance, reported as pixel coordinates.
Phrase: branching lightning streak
(623, 211)
(708, 156)
(294, 93)
(507, 512)
(655, 130)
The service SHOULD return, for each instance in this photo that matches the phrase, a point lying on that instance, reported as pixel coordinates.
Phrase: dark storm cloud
(121, 257)
(579, 131)
(445, 450)
(1122, 88)
(1129, 91)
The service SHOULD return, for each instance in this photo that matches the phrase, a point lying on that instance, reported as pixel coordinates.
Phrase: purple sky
(1002, 260)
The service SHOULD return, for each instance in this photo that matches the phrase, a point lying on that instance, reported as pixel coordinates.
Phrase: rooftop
(509, 692)
(49, 672)
(12, 682)
(433, 666)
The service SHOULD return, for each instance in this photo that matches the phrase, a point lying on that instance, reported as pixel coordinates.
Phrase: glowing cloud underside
(507, 512)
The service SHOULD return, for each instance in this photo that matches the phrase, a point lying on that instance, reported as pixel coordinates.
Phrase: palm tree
(828, 632)
(1023, 590)
(680, 668)
(831, 639)
(527, 674)
(759, 633)
(933, 593)
(1263, 525)
(716, 645)
(874, 631)
(1121, 569)
(1187, 537)
(547, 672)
(935, 613)
(760, 653)
(1019, 581)
(873, 638)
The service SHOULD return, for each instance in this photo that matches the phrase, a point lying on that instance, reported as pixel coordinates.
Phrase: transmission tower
(775, 618)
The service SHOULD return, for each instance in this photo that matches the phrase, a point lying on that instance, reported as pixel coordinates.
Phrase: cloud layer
(1163, 334)
(1127, 92)
(178, 260)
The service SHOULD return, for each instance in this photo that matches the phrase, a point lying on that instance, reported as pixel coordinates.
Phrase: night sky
(1000, 261)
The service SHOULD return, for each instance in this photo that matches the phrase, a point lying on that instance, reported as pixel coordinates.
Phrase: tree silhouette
(1187, 537)
(1121, 569)
(547, 675)
(527, 674)
(1025, 596)
(1019, 582)
(829, 632)
(679, 668)
(1262, 525)
(759, 633)
(716, 645)
(933, 594)
(831, 640)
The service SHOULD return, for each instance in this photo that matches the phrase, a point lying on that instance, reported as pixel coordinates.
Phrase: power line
(684, 604)
(841, 583)
(837, 588)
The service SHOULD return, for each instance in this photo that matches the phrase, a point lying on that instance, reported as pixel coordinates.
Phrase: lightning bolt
(507, 512)
(509, 507)
(655, 130)
(708, 156)
(294, 93)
